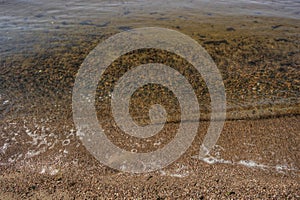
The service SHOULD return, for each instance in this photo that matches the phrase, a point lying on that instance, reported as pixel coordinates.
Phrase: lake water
(20, 17)
(30, 26)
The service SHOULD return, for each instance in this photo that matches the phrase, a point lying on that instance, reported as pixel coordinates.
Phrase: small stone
(230, 29)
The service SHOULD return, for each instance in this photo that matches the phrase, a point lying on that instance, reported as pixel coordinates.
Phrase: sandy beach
(244, 164)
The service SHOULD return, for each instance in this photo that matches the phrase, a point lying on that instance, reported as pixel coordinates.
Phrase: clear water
(36, 15)
(22, 17)
(21, 21)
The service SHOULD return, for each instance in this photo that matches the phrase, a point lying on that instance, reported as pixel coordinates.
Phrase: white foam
(177, 175)
(213, 160)
(50, 170)
(4, 147)
(247, 163)
(157, 143)
(79, 133)
(32, 153)
(14, 158)
(181, 172)
(180, 175)
(43, 170)
(250, 163)
(53, 171)
(282, 168)
(3, 164)
(66, 142)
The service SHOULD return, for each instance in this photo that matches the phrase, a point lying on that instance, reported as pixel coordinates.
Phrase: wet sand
(248, 163)
(257, 155)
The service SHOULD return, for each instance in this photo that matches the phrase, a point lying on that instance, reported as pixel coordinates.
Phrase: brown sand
(267, 142)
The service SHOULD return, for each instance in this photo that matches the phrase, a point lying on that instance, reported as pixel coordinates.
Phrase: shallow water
(22, 17)
(29, 27)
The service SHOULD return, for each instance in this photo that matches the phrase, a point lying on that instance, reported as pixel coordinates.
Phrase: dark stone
(163, 18)
(281, 40)
(86, 22)
(277, 26)
(230, 29)
(126, 12)
(39, 15)
(124, 28)
(216, 42)
(33, 187)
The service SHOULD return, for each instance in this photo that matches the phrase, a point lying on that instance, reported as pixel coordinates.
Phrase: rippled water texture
(21, 16)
